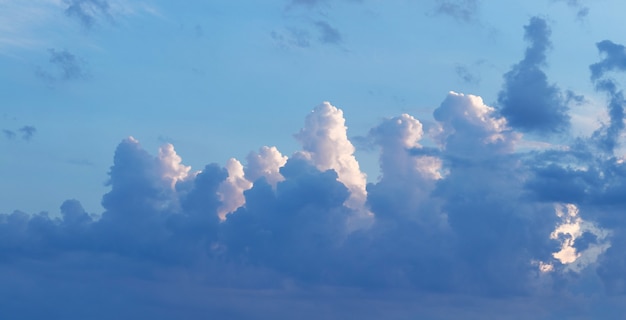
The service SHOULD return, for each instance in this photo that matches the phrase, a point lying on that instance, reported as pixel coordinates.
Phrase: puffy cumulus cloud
(582, 11)
(406, 177)
(265, 163)
(231, 190)
(468, 125)
(527, 100)
(324, 140)
(457, 212)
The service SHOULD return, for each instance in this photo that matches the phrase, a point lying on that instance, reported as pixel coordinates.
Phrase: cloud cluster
(457, 210)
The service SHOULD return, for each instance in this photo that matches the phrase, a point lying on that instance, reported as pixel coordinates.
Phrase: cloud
(460, 10)
(456, 212)
(87, 11)
(9, 134)
(303, 37)
(324, 139)
(582, 11)
(27, 133)
(328, 34)
(68, 67)
(527, 100)
(265, 163)
(614, 60)
(293, 37)
(466, 75)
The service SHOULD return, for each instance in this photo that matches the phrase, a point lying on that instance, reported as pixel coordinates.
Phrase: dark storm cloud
(527, 100)
(87, 11)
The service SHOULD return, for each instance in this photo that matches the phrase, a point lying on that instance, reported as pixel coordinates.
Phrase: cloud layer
(459, 214)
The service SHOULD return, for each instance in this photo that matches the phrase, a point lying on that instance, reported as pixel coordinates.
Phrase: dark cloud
(9, 134)
(527, 100)
(87, 11)
(67, 67)
(465, 216)
(582, 11)
(614, 60)
(461, 10)
(27, 132)
(328, 34)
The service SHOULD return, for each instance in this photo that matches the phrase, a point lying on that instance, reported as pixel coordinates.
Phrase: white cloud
(325, 142)
(571, 228)
(265, 163)
(231, 190)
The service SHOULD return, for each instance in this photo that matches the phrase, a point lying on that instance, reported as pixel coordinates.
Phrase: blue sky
(296, 157)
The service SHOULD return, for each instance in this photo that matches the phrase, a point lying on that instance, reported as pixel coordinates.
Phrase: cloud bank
(459, 215)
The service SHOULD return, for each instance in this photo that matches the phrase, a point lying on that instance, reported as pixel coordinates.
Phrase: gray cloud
(9, 134)
(87, 11)
(461, 10)
(67, 67)
(27, 133)
(614, 60)
(582, 11)
(465, 75)
(527, 100)
(465, 217)
(328, 34)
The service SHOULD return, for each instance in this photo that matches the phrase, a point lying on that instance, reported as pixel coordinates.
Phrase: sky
(312, 159)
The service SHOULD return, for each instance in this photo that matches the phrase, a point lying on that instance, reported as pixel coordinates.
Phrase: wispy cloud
(66, 67)
(461, 10)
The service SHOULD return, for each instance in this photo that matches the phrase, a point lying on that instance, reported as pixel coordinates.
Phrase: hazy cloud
(582, 11)
(87, 11)
(27, 132)
(461, 10)
(67, 67)
(328, 34)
